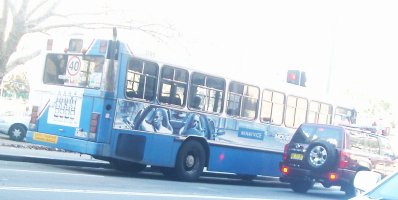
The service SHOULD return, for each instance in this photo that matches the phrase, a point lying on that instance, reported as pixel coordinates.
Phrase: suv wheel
(320, 155)
(301, 186)
(349, 189)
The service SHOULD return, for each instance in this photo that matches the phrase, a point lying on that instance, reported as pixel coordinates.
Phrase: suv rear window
(309, 133)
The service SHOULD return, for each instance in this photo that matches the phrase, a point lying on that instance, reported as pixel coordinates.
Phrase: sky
(352, 43)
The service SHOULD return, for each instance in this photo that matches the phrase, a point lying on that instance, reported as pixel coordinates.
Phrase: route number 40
(74, 65)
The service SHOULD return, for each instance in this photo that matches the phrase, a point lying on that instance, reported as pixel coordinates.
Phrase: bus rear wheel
(126, 166)
(168, 172)
(190, 161)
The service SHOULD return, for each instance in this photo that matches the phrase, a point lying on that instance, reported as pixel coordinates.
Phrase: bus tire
(126, 166)
(190, 161)
(17, 132)
(168, 172)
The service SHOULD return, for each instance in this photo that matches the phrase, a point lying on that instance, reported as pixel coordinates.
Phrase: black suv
(332, 155)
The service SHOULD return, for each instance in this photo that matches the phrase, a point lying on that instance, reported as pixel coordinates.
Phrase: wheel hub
(318, 156)
(17, 132)
(190, 161)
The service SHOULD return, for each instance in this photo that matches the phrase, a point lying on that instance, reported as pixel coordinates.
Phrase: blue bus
(135, 112)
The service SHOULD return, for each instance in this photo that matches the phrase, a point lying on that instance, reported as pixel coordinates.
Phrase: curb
(54, 161)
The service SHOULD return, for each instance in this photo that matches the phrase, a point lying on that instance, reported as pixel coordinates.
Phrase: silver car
(368, 183)
(14, 124)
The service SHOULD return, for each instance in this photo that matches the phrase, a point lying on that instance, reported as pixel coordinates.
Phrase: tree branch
(99, 25)
(11, 6)
(3, 24)
(21, 60)
(22, 10)
(38, 6)
(43, 17)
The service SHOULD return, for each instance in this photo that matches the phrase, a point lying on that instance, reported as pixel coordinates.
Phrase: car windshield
(308, 133)
(386, 190)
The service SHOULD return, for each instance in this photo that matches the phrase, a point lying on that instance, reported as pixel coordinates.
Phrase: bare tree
(22, 17)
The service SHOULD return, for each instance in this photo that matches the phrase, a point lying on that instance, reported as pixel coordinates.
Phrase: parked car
(14, 124)
(332, 155)
(368, 182)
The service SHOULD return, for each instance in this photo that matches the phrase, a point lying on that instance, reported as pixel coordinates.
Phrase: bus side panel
(148, 148)
(161, 150)
(106, 109)
(244, 161)
(251, 134)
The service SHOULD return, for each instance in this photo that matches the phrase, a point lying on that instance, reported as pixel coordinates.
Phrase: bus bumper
(69, 144)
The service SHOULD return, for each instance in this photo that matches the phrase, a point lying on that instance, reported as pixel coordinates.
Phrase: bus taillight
(103, 46)
(93, 126)
(33, 117)
(49, 44)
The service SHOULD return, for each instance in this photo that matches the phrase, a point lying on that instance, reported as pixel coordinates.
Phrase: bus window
(313, 112)
(55, 69)
(272, 108)
(74, 70)
(141, 79)
(342, 115)
(206, 93)
(173, 85)
(325, 114)
(296, 111)
(319, 113)
(242, 100)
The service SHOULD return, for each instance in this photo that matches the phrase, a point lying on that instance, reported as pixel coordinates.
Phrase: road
(23, 180)
(30, 172)
(27, 173)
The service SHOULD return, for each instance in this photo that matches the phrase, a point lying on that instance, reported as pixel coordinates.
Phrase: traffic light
(293, 77)
(303, 79)
(296, 77)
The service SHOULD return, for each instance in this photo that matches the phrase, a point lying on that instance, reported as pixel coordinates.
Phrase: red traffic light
(293, 76)
(296, 77)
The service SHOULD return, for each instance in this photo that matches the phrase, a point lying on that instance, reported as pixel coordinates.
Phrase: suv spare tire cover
(321, 156)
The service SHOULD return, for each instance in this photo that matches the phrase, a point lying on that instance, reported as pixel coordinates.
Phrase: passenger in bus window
(192, 126)
(158, 122)
(196, 103)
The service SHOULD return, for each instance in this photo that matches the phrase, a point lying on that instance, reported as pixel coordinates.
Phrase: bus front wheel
(190, 161)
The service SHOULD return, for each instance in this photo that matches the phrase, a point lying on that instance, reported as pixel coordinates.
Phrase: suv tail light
(285, 150)
(344, 159)
(285, 170)
(332, 176)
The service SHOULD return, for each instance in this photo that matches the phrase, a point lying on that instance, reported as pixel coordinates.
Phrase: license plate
(45, 138)
(296, 156)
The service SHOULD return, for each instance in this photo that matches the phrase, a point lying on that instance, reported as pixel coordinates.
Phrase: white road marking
(196, 196)
(43, 172)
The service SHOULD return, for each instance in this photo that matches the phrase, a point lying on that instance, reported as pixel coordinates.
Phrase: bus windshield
(74, 70)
